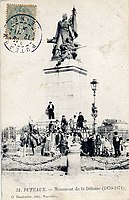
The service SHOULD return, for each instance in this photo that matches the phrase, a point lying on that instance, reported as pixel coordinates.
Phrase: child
(126, 145)
(107, 147)
(97, 145)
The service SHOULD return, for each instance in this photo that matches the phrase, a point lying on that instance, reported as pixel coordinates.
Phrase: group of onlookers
(100, 145)
(57, 133)
(65, 125)
(92, 145)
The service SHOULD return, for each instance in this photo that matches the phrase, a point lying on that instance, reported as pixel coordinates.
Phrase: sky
(103, 28)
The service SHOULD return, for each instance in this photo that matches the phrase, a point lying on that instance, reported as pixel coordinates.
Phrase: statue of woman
(66, 31)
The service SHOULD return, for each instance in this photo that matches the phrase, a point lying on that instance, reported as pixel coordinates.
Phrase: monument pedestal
(65, 87)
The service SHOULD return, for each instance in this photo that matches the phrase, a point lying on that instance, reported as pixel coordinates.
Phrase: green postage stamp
(23, 33)
(21, 21)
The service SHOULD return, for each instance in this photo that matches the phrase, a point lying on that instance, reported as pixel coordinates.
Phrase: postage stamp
(20, 22)
(23, 33)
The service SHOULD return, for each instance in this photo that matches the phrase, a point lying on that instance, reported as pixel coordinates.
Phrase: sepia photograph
(64, 99)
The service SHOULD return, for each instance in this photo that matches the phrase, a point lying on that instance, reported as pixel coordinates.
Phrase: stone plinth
(65, 87)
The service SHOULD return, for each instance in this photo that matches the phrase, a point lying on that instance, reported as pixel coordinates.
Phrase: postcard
(64, 100)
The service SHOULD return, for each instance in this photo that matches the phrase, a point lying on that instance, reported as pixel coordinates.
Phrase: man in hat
(80, 120)
(50, 109)
(64, 124)
(116, 144)
(91, 145)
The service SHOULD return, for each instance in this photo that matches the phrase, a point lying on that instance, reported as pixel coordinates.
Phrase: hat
(50, 101)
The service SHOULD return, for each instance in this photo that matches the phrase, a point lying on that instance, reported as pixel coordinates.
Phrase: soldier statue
(64, 45)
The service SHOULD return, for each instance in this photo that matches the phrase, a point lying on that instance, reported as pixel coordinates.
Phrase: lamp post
(94, 113)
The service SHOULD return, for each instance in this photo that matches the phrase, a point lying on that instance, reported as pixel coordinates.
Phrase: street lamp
(94, 113)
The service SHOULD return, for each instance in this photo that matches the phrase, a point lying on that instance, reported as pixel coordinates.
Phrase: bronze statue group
(65, 46)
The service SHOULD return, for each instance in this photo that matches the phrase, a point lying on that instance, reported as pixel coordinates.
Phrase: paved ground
(74, 164)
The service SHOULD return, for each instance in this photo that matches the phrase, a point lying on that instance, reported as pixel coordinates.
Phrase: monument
(65, 78)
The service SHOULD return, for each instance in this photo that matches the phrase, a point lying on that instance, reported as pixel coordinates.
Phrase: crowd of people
(59, 134)
(100, 145)
(92, 145)
(55, 136)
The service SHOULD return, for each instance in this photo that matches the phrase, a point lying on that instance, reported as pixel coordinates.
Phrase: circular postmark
(23, 33)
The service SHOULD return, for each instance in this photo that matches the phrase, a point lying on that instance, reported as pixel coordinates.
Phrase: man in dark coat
(116, 144)
(51, 127)
(58, 138)
(91, 145)
(80, 120)
(64, 124)
(50, 109)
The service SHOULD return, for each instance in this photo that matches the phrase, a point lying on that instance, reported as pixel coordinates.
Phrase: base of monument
(65, 87)
(66, 66)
